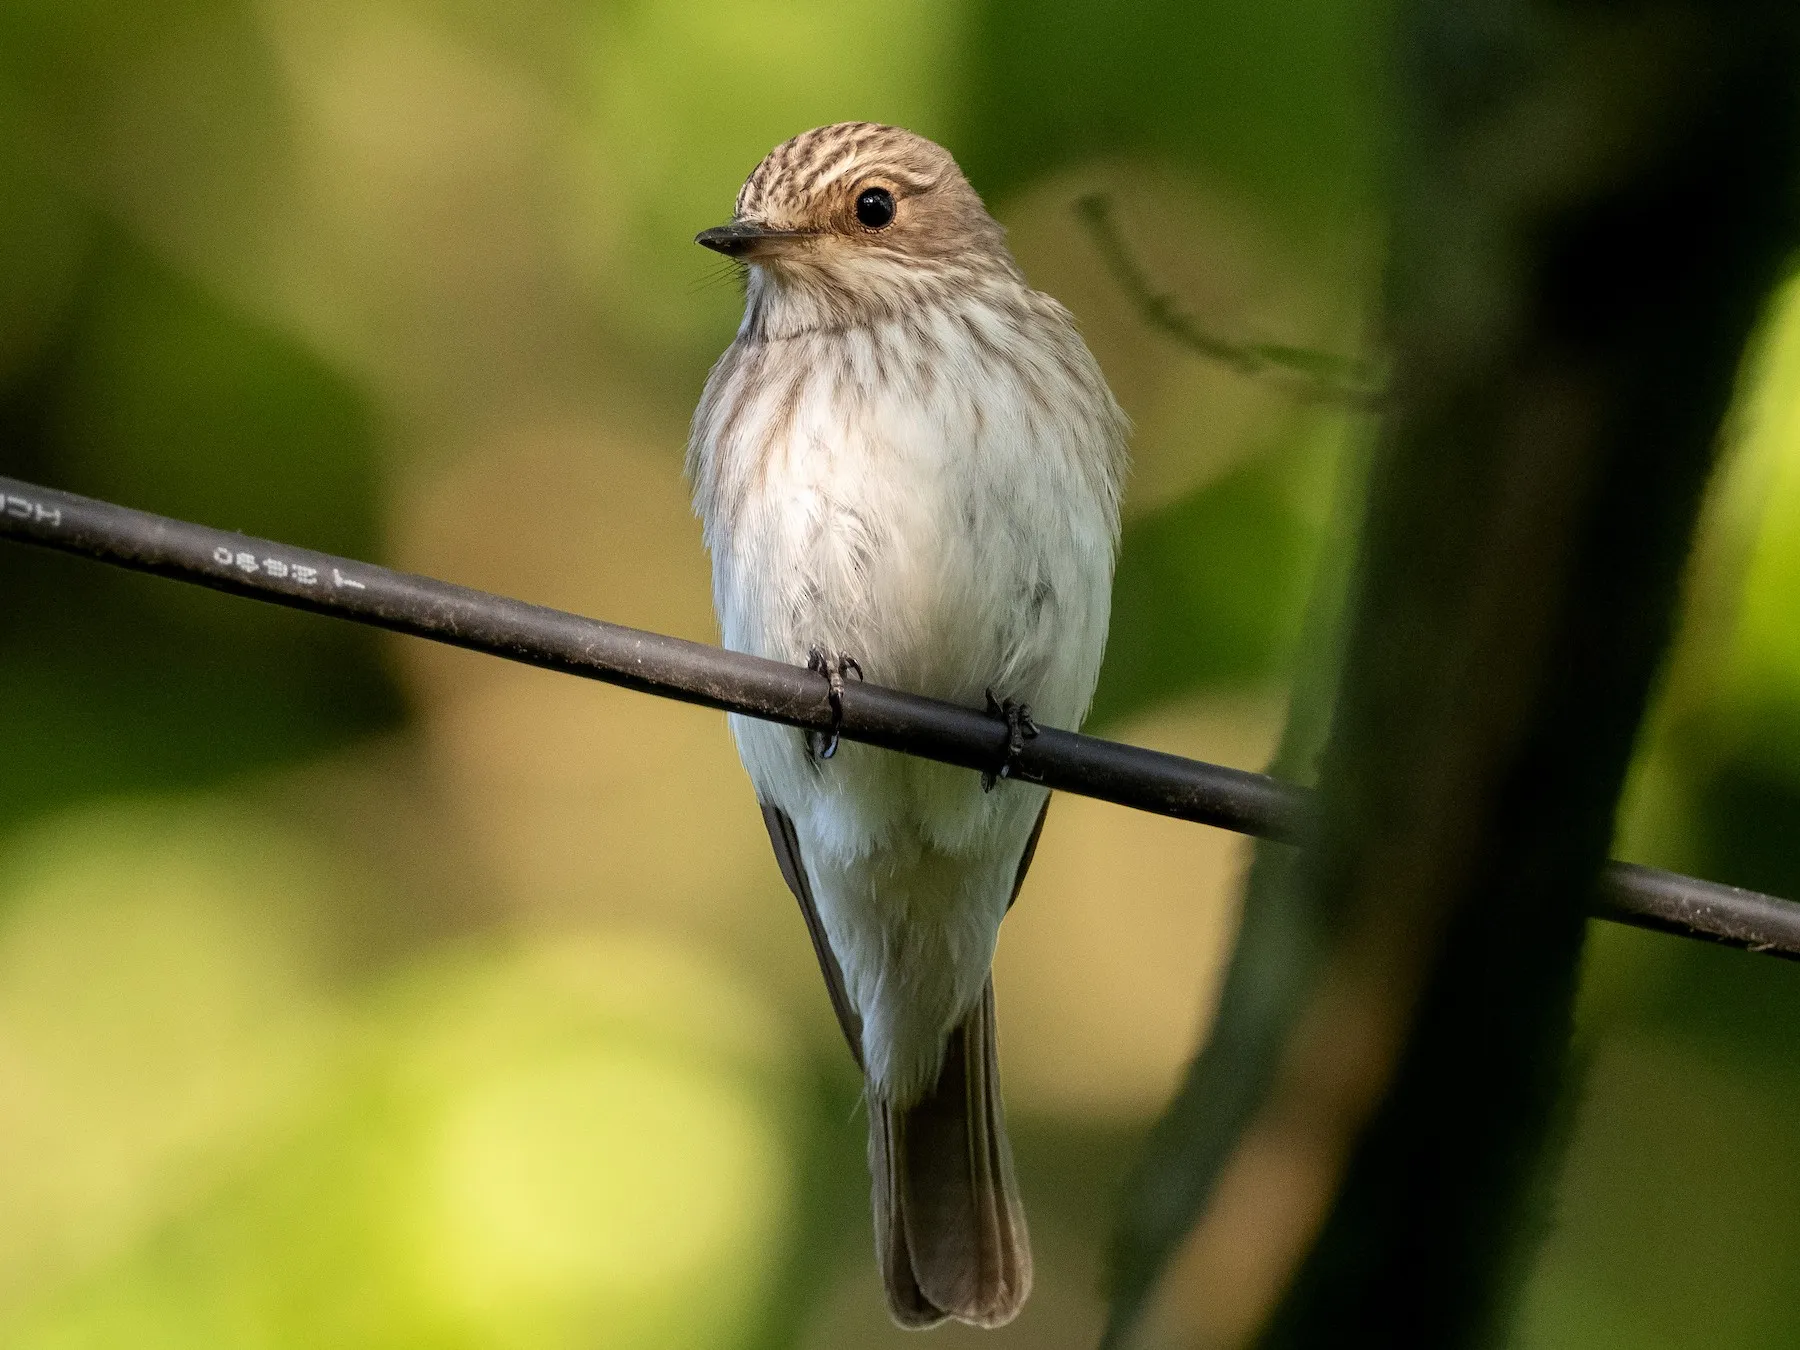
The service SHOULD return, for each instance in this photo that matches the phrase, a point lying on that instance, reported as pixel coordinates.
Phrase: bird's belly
(876, 564)
(942, 578)
(949, 550)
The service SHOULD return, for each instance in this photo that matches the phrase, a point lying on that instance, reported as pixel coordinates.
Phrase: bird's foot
(820, 744)
(1019, 729)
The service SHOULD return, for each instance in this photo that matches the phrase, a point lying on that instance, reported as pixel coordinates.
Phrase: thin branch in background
(1316, 376)
(693, 672)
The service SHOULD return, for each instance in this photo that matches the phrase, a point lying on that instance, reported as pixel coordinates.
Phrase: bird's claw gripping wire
(833, 668)
(1019, 729)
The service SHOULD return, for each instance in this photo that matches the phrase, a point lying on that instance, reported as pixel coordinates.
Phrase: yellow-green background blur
(357, 993)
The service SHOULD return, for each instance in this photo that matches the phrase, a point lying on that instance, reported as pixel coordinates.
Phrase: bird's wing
(793, 871)
(1030, 851)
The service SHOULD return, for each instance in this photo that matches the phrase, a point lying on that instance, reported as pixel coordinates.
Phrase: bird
(908, 465)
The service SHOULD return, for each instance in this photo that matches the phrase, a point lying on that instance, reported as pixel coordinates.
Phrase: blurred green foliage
(1278, 101)
(1739, 728)
(228, 292)
(150, 391)
(1211, 589)
(432, 1162)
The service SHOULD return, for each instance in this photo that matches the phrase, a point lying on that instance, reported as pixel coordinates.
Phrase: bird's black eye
(875, 208)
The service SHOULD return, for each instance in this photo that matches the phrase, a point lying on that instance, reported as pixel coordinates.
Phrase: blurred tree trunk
(1592, 202)
(1596, 200)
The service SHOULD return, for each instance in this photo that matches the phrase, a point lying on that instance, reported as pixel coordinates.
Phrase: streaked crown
(835, 196)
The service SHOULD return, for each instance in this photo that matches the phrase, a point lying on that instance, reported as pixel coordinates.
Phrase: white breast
(935, 496)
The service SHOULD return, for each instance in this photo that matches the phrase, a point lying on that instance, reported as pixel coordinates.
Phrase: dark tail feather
(949, 1228)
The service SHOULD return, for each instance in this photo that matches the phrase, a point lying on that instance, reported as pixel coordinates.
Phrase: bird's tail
(949, 1228)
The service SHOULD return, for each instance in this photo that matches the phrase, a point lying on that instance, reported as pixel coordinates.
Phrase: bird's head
(862, 209)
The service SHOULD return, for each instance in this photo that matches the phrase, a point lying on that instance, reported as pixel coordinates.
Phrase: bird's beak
(747, 240)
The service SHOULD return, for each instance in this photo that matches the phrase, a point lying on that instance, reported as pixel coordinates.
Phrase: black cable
(693, 672)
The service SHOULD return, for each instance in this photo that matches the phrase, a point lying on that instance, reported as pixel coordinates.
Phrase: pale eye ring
(874, 208)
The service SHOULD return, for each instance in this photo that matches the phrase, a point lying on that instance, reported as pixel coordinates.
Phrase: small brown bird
(908, 466)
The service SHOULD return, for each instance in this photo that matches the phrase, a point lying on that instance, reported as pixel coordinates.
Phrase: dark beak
(744, 238)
